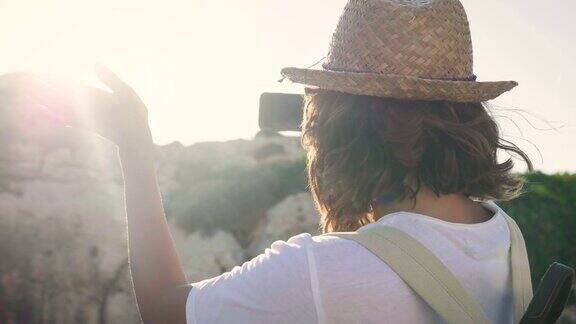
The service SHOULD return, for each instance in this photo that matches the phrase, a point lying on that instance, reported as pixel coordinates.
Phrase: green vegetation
(233, 199)
(546, 213)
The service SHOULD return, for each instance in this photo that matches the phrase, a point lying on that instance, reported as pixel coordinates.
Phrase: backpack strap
(422, 271)
(521, 280)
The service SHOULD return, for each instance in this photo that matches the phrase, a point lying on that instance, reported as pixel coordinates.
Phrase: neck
(454, 208)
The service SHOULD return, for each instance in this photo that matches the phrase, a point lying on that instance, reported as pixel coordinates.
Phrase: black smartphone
(280, 111)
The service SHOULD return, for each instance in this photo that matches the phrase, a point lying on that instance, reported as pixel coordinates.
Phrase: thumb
(111, 80)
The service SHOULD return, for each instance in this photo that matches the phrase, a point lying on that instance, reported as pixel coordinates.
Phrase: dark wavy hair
(360, 148)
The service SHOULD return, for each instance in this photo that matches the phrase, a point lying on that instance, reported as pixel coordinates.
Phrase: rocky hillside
(62, 222)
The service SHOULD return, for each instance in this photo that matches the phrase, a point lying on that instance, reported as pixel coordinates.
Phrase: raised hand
(118, 115)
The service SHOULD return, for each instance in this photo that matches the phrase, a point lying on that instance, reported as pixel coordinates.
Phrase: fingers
(112, 80)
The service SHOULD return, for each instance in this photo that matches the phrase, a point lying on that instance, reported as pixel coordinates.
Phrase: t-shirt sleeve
(274, 287)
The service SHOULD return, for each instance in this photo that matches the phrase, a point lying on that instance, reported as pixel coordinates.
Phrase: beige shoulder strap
(432, 281)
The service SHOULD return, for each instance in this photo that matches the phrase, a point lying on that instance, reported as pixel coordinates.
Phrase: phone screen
(280, 111)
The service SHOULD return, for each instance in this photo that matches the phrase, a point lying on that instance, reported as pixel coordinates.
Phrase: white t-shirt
(325, 279)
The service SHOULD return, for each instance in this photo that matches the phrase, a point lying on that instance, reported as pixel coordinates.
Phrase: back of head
(361, 148)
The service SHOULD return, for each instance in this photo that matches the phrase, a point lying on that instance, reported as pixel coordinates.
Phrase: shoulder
(282, 258)
(341, 261)
(273, 286)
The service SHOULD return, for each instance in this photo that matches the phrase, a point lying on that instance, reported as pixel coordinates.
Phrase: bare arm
(154, 264)
(157, 275)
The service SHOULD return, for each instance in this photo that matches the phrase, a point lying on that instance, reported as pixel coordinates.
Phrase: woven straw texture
(419, 49)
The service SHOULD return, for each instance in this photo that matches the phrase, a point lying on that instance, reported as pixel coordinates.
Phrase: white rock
(62, 217)
(294, 215)
(206, 256)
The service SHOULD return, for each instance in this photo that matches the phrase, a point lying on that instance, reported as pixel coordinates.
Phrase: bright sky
(200, 65)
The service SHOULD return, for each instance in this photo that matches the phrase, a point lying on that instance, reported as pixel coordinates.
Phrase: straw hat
(407, 49)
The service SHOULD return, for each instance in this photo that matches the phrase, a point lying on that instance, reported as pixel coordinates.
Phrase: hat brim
(396, 86)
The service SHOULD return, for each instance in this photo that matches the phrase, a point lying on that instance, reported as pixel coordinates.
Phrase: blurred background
(228, 189)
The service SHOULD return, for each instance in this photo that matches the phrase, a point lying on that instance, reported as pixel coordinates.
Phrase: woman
(396, 135)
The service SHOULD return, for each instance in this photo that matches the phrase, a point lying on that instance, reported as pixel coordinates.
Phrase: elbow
(168, 306)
